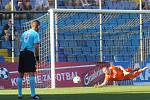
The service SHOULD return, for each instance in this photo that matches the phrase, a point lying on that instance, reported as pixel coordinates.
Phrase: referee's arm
(37, 52)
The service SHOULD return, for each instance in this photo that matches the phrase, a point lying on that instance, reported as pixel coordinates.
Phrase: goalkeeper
(118, 73)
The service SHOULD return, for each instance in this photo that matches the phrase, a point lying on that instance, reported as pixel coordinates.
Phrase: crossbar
(102, 11)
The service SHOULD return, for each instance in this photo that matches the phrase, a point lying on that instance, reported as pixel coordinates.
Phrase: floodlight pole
(12, 31)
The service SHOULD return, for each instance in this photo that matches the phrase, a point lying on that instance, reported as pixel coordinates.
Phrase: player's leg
(30, 68)
(132, 70)
(145, 68)
(32, 85)
(20, 79)
(105, 82)
(135, 74)
(142, 70)
(21, 74)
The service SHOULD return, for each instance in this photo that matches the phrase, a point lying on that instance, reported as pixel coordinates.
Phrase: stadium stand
(84, 45)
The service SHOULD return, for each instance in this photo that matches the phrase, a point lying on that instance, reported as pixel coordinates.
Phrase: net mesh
(77, 38)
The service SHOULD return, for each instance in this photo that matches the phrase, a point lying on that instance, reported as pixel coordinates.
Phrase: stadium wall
(90, 73)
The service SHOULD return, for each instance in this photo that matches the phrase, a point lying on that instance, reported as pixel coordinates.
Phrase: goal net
(93, 36)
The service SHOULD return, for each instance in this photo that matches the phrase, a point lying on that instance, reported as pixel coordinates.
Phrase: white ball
(4, 73)
(76, 79)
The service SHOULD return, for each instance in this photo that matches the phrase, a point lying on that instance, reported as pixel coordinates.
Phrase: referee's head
(35, 25)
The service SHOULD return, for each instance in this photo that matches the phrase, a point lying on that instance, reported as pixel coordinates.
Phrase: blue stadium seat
(77, 51)
(95, 7)
(109, 4)
(78, 36)
(62, 58)
(69, 7)
(91, 58)
(71, 58)
(78, 7)
(69, 36)
(68, 51)
(87, 50)
(61, 7)
(81, 58)
(60, 3)
(72, 43)
(133, 5)
(81, 43)
(61, 36)
(6, 44)
(2, 59)
(91, 43)
(95, 50)
(63, 43)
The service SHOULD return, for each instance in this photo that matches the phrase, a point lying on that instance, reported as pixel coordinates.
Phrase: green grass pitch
(84, 93)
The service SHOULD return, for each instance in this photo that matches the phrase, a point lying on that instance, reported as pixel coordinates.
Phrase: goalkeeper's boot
(144, 68)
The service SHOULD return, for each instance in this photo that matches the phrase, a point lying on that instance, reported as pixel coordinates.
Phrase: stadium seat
(4, 52)
(69, 7)
(86, 50)
(69, 36)
(63, 43)
(68, 51)
(71, 58)
(9, 59)
(72, 43)
(78, 7)
(90, 58)
(82, 44)
(2, 59)
(77, 51)
(81, 58)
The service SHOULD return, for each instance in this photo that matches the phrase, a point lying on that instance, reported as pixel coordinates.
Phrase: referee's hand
(37, 60)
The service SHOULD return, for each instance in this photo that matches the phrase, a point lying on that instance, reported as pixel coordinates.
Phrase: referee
(28, 56)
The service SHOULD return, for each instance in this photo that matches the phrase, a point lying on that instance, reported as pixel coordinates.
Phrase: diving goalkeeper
(118, 73)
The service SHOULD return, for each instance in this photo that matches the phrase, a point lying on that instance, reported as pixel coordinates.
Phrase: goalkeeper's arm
(105, 82)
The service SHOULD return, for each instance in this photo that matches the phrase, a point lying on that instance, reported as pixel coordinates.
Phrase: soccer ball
(4, 73)
(76, 79)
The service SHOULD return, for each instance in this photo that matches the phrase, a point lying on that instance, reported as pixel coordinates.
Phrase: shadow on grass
(91, 96)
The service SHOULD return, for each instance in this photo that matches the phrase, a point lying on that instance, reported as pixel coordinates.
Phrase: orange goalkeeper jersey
(119, 76)
(116, 75)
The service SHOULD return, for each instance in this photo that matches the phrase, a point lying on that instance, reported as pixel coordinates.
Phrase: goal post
(52, 42)
(92, 35)
(137, 57)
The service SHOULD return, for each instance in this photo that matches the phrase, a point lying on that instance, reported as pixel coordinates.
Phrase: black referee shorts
(27, 62)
